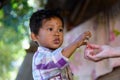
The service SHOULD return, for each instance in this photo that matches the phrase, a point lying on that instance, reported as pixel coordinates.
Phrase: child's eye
(60, 30)
(50, 29)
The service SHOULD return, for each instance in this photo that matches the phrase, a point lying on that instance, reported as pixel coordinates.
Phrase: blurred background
(101, 17)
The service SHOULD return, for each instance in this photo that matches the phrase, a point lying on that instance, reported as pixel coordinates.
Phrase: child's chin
(53, 48)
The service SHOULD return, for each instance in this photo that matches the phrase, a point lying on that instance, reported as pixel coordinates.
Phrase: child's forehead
(51, 21)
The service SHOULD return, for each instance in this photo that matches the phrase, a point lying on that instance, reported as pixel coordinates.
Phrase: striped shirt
(50, 65)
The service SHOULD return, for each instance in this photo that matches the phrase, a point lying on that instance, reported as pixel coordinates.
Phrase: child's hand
(69, 50)
(83, 38)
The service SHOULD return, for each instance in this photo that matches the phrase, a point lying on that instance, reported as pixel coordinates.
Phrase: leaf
(116, 32)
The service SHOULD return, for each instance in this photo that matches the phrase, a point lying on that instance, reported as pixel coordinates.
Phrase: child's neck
(47, 49)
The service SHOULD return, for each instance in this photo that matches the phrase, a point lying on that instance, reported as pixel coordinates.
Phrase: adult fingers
(93, 46)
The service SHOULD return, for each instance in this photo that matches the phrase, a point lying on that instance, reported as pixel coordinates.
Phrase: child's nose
(56, 33)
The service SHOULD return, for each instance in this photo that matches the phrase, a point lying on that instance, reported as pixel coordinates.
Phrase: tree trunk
(25, 71)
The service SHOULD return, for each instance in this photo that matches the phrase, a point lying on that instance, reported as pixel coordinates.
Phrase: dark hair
(38, 16)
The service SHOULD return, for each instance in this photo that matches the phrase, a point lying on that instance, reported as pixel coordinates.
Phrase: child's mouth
(56, 41)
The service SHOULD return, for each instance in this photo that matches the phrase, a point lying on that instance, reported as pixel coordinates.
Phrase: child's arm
(68, 51)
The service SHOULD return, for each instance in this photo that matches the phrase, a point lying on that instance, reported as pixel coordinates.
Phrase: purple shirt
(50, 65)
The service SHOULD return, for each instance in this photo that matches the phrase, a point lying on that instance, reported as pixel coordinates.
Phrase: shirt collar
(41, 48)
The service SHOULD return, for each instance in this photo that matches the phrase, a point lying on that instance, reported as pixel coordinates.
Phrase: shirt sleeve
(60, 60)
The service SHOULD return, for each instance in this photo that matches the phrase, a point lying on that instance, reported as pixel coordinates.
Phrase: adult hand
(96, 52)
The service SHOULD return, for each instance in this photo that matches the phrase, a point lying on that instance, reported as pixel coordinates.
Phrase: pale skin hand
(102, 52)
(68, 51)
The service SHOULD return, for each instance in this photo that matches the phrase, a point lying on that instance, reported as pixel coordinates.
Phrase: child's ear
(33, 37)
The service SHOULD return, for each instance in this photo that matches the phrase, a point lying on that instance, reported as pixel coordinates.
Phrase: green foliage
(14, 28)
(9, 50)
(117, 33)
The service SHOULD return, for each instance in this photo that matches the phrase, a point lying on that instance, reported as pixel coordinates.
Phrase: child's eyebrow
(61, 27)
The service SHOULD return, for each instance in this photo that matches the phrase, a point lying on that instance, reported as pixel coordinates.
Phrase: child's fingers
(84, 43)
(88, 34)
(86, 38)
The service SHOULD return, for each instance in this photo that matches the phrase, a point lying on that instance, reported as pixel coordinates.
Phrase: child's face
(50, 35)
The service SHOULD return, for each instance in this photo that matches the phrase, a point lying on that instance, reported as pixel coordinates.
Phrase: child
(50, 62)
(96, 52)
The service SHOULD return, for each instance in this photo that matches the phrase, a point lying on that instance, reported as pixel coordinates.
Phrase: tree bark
(25, 71)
